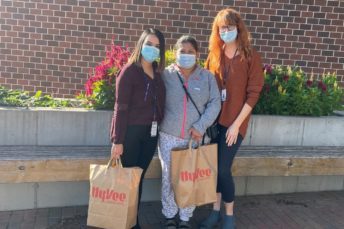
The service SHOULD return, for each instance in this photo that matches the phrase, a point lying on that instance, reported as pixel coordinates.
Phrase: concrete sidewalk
(298, 210)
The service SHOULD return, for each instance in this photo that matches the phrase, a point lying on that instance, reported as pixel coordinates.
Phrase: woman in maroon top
(139, 104)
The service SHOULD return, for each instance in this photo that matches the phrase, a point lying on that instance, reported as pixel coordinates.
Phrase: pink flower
(88, 88)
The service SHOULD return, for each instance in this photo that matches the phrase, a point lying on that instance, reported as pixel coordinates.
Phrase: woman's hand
(195, 135)
(116, 151)
(232, 134)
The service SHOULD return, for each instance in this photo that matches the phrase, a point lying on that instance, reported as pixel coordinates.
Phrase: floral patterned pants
(169, 207)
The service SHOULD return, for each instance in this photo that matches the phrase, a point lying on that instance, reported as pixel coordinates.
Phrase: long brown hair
(230, 17)
(136, 55)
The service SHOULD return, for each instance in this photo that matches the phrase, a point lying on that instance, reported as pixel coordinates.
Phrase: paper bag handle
(192, 141)
(115, 162)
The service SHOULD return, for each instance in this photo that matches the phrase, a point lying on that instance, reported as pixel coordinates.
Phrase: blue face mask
(150, 53)
(229, 36)
(186, 60)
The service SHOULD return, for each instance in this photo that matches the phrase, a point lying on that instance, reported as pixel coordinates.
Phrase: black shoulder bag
(211, 131)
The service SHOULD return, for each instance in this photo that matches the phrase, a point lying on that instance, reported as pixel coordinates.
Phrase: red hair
(229, 17)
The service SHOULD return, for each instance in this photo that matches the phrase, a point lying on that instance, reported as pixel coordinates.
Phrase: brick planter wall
(50, 45)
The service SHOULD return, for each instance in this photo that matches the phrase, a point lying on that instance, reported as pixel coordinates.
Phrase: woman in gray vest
(182, 120)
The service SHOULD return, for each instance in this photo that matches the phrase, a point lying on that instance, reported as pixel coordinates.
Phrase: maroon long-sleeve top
(138, 98)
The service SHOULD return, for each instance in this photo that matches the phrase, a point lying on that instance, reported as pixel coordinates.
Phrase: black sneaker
(170, 224)
(137, 226)
(184, 225)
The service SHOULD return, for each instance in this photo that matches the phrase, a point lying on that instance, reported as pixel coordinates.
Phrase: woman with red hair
(238, 71)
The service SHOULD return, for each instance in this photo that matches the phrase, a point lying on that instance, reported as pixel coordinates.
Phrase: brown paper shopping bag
(194, 175)
(113, 196)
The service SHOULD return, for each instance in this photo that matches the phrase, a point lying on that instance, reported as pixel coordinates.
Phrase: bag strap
(188, 94)
(115, 163)
(193, 102)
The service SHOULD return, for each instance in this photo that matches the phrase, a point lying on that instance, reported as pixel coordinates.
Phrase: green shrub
(169, 57)
(20, 98)
(287, 91)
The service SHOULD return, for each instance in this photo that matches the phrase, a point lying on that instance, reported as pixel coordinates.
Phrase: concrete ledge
(63, 194)
(43, 127)
(47, 164)
(39, 126)
(37, 174)
(270, 130)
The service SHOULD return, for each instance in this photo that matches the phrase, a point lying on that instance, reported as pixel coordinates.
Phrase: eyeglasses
(227, 28)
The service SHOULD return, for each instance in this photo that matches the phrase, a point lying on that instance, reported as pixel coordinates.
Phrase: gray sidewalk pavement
(289, 211)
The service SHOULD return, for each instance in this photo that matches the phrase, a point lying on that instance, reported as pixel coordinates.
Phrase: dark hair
(136, 55)
(186, 39)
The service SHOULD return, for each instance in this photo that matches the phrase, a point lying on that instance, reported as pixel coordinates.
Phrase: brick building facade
(50, 45)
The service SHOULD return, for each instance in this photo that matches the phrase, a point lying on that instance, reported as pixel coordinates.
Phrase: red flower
(286, 78)
(309, 83)
(268, 68)
(322, 86)
(267, 88)
(116, 56)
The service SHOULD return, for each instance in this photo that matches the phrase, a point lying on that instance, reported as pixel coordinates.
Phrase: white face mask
(186, 61)
(229, 36)
(150, 53)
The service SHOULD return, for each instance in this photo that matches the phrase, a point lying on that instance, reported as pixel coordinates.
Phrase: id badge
(223, 95)
(154, 130)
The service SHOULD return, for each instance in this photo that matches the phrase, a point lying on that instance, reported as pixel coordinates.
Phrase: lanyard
(154, 94)
(227, 69)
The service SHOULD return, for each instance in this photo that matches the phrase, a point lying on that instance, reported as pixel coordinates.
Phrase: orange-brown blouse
(244, 82)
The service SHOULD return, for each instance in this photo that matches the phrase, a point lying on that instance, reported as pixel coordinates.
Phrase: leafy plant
(20, 98)
(100, 86)
(169, 57)
(12, 97)
(287, 91)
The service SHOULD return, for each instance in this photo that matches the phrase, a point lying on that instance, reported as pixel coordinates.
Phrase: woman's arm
(212, 109)
(120, 117)
(233, 130)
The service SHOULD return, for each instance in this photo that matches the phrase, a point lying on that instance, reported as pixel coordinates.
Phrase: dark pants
(138, 149)
(226, 154)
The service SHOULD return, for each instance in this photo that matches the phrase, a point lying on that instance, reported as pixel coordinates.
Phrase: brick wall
(50, 45)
